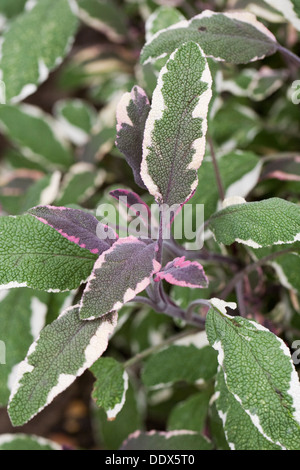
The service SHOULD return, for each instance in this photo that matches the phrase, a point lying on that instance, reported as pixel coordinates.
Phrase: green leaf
(290, 10)
(162, 18)
(254, 84)
(257, 224)
(176, 363)
(111, 385)
(172, 440)
(9, 8)
(259, 373)
(79, 184)
(34, 255)
(240, 431)
(239, 173)
(286, 266)
(174, 139)
(43, 192)
(104, 16)
(77, 119)
(34, 132)
(233, 37)
(234, 126)
(190, 414)
(36, 43)
(63, 351)
(19, 330)
(113, 433)
(26, 442)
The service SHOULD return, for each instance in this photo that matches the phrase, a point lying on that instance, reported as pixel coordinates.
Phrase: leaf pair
(164, 144)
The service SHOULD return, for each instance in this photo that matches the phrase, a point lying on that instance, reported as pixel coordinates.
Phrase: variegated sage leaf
(290, 10)
(62, 352)
(235, 37)
(34, 255)
(119, 274)
(19, 330)
(269, 222)
(35, 133)
(240, 432)
(162, 18)
(174, 139)
(77, 226)
(132, 113)
(259, 373)
(184, 273)
(104, 16)
(36, 42)
(110, 387)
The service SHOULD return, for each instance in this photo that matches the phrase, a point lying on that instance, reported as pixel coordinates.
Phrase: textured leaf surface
(240, 432)
(104, 16)
(77, 226)
(257, 224)
(63, 351)
(233, 37)
(259, 373)
(111, 385)
(183, 273)
(172, 440)
(34, 255)
(132, 113)
(37, 53)
(26, 442)
(174, 139)
(35, 134)
(290, 10)
(22, 316)
(239, 173)
(177, 363)
(118, 276)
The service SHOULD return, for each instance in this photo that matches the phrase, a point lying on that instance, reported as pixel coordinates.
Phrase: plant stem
(147, 352)
(216, 168)
(293, 58)
(203, 255)
(169, 308)
(248, 269)
(240, 298)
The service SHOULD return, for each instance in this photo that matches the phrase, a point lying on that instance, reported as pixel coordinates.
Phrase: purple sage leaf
(133, 201)
(132, 113)
(183, 273)
(77, 226)
(118, 276)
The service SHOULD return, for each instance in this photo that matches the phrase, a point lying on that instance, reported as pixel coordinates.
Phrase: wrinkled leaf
(118, 276)
(174, 139)
(34, 255)
(62, 352)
